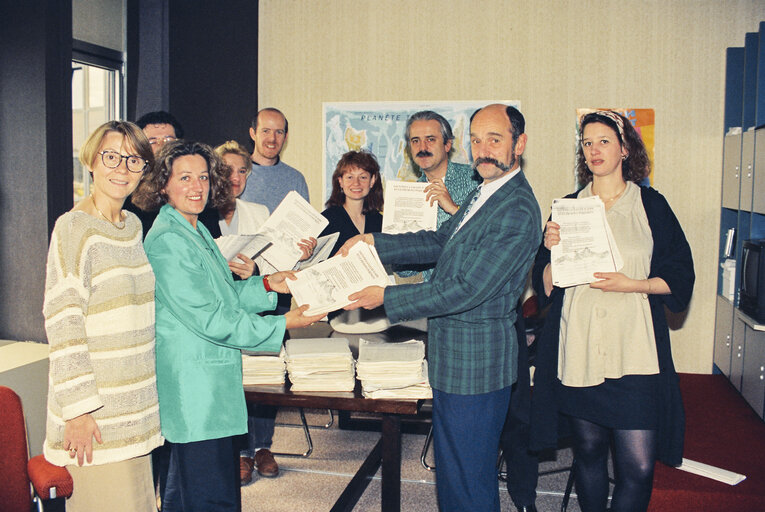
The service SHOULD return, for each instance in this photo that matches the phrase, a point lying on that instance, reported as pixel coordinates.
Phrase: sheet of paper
(587, 244)
(327, 285)
(715, 473)
(324, 246)
(406, 208)
(249, 245)
(293, 220)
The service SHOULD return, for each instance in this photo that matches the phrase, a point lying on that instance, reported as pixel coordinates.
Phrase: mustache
(424, 153)
(496, 163)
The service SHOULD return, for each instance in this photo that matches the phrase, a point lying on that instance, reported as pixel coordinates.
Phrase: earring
(624, 157)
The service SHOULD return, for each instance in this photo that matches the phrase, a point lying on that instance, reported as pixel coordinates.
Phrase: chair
(24, 481)
(304, 425)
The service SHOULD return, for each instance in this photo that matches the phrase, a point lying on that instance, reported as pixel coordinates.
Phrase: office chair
(24, 481)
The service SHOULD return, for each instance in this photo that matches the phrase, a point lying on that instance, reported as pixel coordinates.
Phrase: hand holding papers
(249, 245)
(327, 285)
(586, 242)
(293, 220)
(407, 209)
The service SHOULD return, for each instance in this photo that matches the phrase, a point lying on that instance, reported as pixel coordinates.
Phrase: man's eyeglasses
(161, 140)
(112, 160)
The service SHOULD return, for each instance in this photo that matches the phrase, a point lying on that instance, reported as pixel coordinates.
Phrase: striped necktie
(467, 211)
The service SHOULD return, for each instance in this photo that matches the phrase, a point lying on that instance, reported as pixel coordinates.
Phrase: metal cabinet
(737, 352)
(723, 330)
(753, 376)
(758, 196)
(747, 171)
(731, 171)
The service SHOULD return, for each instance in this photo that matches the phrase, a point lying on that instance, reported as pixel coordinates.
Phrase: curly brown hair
(149, 195)
(365, 161)
(635, 167)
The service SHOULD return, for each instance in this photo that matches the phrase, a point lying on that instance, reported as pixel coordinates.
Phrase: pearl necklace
(93, 200)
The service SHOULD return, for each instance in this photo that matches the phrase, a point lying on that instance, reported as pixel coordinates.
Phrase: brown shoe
(246, 465)
(267, 466)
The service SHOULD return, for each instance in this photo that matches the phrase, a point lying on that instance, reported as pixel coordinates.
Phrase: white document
(327, 285)
(293, 220)
(586, 242)
(715, 473)
(249, 245)
(406, 208)
(324, 246)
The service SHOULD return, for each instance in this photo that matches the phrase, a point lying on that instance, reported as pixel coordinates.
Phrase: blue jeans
(261, 420)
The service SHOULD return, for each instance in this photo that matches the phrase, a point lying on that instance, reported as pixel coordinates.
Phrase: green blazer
(471, 298)
(203, 319)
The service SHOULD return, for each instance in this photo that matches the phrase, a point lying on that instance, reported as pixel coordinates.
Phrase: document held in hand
(249, 245)
(406, 208)
(327, 285)
(293, 220)
(586, 245)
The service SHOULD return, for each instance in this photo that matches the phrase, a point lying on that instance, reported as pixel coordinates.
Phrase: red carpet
(721, 430)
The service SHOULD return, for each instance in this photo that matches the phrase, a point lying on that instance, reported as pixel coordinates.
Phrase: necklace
(614, 198)
(92, 199)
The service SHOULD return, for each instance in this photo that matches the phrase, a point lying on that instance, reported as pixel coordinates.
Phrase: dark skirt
(628, 403)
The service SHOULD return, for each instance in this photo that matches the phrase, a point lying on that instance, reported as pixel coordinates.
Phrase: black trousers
(522, 465)
(204, 477)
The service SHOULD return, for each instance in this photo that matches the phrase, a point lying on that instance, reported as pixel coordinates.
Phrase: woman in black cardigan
(604, 360)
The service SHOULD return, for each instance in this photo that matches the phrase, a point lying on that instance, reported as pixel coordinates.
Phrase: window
(97, 97)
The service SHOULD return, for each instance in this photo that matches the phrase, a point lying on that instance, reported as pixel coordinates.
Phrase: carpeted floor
(313, 484)
(721, 430)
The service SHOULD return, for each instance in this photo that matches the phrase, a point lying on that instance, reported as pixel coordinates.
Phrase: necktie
(467, 211)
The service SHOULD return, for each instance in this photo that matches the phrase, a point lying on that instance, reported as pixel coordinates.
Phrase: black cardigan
(672, 261)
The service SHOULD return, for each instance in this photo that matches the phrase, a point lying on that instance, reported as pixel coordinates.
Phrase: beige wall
(553, 56)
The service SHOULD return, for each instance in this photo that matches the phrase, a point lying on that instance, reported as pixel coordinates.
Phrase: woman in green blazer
(203, 319)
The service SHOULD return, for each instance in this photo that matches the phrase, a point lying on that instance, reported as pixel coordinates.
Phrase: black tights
(634, 457)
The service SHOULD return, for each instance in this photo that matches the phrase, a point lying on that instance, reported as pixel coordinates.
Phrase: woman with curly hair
(604, 359)
(203, 319)
(354, 206)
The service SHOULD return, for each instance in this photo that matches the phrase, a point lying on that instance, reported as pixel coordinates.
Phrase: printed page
(406, 208)
(586, 242)
(293, 220)
(249, 245)
(327, 285)
(324, 246)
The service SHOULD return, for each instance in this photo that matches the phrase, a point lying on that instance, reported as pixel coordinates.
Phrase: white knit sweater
(99, 318)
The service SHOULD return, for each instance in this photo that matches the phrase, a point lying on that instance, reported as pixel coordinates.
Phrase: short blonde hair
(233, 147)
(136, 139)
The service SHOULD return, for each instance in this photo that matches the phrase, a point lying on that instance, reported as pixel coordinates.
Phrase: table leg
(360, 481)
(391, 463)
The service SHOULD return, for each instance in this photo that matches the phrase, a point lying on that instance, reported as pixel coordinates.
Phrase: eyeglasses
(112, 160)
(161, 140)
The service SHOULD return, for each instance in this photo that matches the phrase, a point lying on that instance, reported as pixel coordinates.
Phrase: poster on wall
(643, 121)
(378, 127)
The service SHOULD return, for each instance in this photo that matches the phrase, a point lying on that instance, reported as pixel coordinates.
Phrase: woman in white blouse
(604, 359)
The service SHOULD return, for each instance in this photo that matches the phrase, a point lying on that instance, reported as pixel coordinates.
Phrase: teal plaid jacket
(471, 298)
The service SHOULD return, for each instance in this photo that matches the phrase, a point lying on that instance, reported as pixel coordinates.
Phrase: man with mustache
(430, 140)
(482, 256)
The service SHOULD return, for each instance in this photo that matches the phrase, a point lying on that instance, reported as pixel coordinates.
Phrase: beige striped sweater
(99, 318)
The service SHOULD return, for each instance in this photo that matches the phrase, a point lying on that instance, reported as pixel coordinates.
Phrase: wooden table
(387, 451)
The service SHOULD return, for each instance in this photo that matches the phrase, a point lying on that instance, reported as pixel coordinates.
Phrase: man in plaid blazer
(482, 256)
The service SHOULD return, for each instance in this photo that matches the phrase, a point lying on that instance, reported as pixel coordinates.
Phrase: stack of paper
(320, 364)
(259, 368)
(393, 370)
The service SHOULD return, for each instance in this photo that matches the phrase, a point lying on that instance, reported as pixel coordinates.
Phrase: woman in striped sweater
(103, 413)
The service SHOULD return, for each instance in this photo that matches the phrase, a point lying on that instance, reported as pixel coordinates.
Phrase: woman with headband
(604, 359)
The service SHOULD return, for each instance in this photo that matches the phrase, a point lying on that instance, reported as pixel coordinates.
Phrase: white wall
(553, 56)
